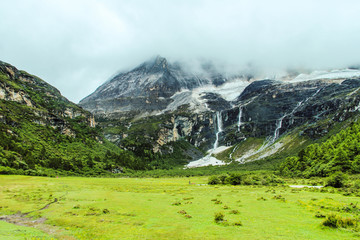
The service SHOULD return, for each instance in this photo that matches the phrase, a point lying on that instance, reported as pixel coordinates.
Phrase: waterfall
(219, 121)
(219, 129)
(317, 92)
(278, 127)
(239, 120)
(239, 125)
(279, 121)
(209, 159)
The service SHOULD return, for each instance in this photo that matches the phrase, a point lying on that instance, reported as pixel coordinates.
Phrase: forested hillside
(42, 133)
(340, 152)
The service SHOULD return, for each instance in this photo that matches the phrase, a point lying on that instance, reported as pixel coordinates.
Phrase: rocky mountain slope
(160, 111)
(152, 87)
(41, 132)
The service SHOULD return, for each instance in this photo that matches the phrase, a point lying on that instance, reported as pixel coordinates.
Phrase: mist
(77, 45)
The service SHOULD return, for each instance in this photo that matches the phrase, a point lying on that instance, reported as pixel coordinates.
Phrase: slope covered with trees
(341, 152)
(42, 133)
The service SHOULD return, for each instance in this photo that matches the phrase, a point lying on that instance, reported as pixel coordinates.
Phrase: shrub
(261, 198)
(182, 212)
(219, 217)
(247, 180)
(279, 197)
(335, 221)
(336, 180)
(188, 198)
(356, 184)
(275, 179)
(235, 179)
(238, 223)
(7, 170)
(234, 211)
(213, 180)
(331, 221)
(223, 178)
(176, 203)
(319, 215)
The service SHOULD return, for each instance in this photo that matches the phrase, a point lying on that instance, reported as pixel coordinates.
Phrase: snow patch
(266, 151)
(208, 160)
(334, 74)
(220, 149)
(228, 91)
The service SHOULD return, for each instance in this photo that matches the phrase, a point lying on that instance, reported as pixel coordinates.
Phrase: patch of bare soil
(22, 219)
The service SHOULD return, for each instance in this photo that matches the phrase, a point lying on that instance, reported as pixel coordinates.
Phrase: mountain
(160, 115)
(150, 87)
(165, 114)
(42, 133)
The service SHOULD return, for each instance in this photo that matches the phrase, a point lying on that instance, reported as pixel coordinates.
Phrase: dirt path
(22, 219)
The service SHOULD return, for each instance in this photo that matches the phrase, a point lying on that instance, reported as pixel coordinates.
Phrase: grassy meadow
(166, 208)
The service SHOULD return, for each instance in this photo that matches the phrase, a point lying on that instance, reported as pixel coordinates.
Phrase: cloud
(77, 45)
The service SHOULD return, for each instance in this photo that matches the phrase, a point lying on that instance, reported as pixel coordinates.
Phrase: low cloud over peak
(77, 45)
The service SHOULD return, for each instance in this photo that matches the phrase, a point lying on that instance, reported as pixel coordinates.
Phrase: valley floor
(164, 208)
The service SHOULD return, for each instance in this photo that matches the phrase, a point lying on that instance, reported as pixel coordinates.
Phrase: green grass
(170, 208)
(10, 231)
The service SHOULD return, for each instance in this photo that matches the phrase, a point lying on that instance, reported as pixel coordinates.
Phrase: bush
(234, 211)
(213, 180)
(176, 203)
(7, 170)
(331, 221)
(219, 217)
(356, 184)
(238, 223)
(223, 178)
(235, 179)
(245, 179)
(335, 221)
(183, 212)
(336, 180)
(319, 215)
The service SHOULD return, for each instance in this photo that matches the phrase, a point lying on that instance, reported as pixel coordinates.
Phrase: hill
(42, 133)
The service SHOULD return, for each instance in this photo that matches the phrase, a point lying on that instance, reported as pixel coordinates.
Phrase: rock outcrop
(47, 104)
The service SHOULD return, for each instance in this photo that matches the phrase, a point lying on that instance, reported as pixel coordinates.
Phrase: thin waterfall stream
(239, 130)
(219, 129)
(209, 159)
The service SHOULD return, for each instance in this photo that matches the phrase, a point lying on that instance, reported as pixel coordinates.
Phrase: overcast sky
(76, 45)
